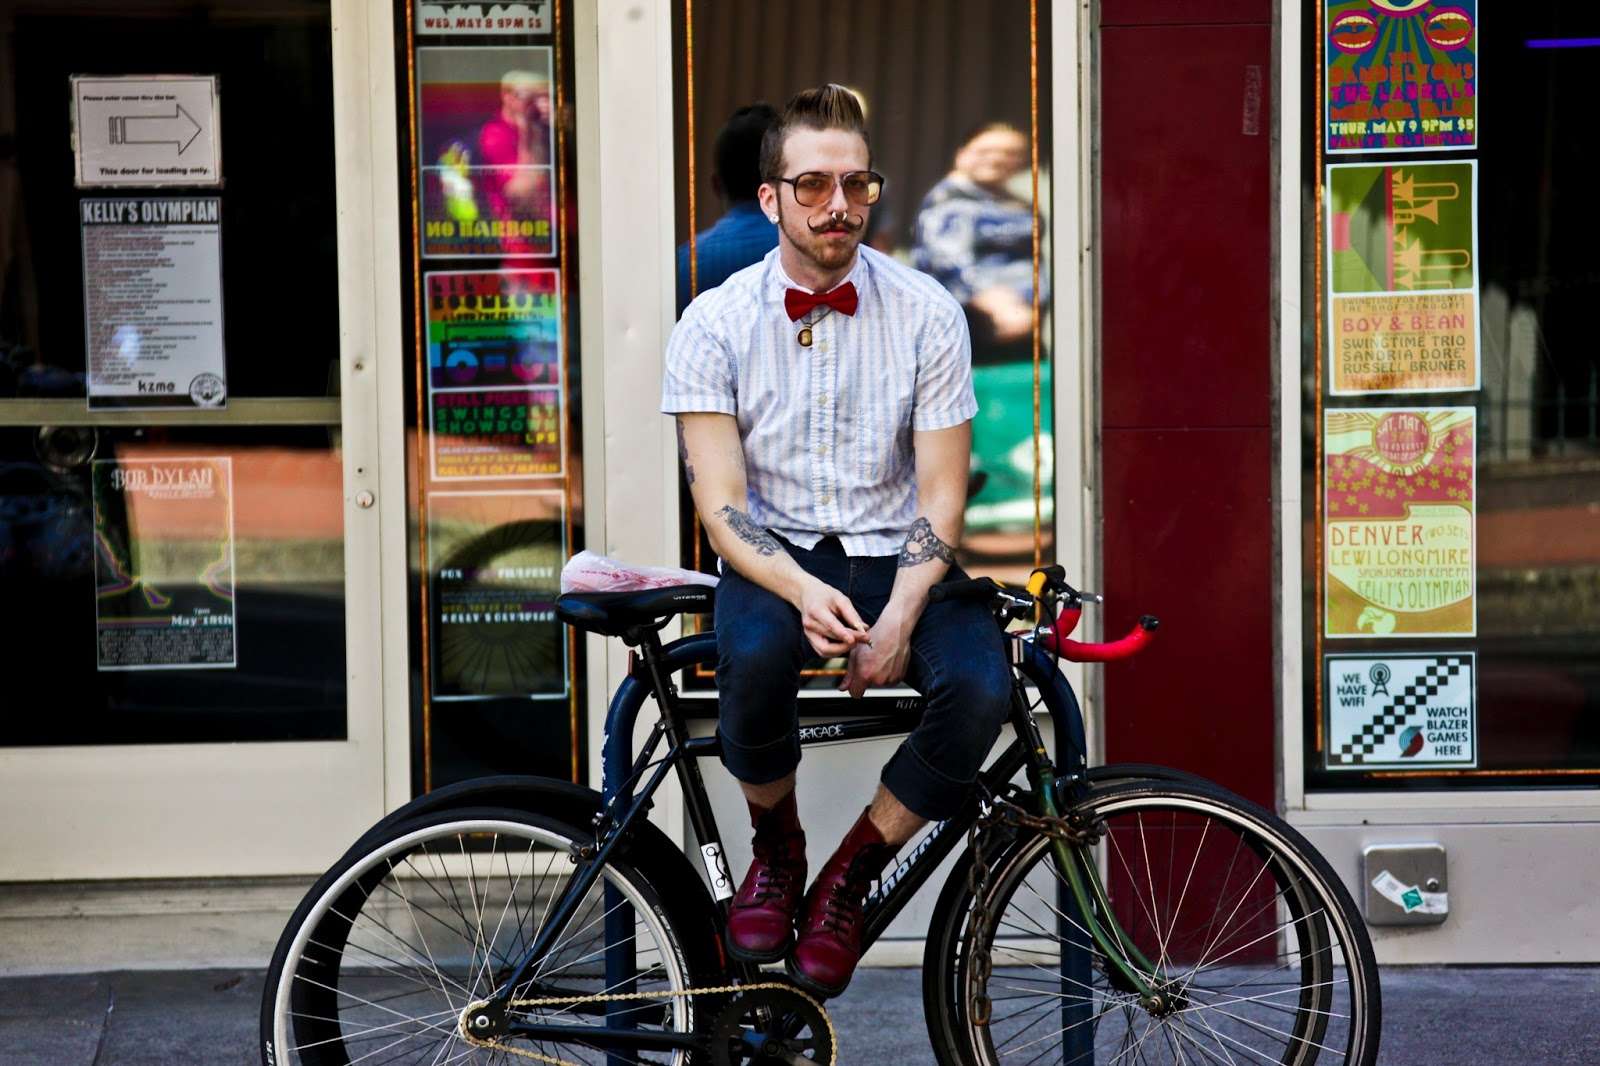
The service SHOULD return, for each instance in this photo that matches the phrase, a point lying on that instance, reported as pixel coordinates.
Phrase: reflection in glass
(962, 211)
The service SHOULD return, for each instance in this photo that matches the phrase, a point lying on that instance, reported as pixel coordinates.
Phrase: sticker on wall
(1403, 278)
(479, 19)
(163, 563)
(486, 149)
(1399, 490)
(1401, 75)
(496, 562)
(1400, 711)
(142, 131)
(152, 302)
(494, 329)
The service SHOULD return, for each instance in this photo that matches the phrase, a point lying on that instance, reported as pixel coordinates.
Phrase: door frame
(207, 809)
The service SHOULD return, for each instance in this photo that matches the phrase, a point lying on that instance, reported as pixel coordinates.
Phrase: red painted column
(1186, 284)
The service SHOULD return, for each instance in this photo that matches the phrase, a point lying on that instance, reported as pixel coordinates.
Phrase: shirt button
(825, 498)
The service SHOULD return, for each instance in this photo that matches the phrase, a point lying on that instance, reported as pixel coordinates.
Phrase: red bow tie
(799, 303)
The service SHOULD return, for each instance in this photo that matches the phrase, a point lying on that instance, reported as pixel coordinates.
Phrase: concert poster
(486, 149)
(495, 561)
(1400, 75)
(1399, 532)
(1402, 265)
(163, 563)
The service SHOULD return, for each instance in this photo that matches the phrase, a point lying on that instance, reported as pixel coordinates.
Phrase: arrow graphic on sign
(178, 129)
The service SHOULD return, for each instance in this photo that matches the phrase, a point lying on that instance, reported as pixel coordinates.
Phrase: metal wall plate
(1405, 884)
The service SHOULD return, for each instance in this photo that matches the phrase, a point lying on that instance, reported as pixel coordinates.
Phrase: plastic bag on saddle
(588, 572)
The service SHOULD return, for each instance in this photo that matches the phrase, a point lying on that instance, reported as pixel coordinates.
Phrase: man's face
(992, 158)
(520, 102)
(826, 233)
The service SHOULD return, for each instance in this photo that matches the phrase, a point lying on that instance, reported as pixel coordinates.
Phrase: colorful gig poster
(1403, 278)
(487, 151)
(477, 19)
(496, 328)
(1398, 522)
(489, 434)
(1401, 75)
(496, 569)
(163, 560)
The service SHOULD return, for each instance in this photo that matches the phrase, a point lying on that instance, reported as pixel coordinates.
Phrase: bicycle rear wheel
(1259, 954)
(394, 942)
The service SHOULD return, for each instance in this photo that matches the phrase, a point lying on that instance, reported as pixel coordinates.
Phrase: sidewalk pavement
(1433, 1016)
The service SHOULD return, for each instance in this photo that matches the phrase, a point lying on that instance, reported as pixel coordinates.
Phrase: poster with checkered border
(1387, 712)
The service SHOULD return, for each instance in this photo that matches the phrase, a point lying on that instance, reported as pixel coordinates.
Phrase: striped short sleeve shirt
(827, 429)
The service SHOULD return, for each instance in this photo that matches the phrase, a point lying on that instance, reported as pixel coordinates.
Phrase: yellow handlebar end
(1036, 583)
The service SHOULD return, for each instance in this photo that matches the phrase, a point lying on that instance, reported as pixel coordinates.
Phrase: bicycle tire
(392, 943)
(1329, 1009)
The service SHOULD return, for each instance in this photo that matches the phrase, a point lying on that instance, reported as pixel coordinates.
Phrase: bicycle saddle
(613, 613)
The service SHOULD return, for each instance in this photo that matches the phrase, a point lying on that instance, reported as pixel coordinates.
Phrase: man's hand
(881, 659)
(829, 619)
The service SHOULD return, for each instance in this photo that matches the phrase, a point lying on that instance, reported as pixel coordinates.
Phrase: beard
(810, 237)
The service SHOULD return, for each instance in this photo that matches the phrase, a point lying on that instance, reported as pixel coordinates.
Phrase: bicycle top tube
(1026, 656)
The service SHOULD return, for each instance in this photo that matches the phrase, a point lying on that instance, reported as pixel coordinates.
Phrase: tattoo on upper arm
(745, 528)
(922, 544)
(683, 453)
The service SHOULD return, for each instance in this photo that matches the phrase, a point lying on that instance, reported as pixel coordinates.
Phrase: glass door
(188, 537)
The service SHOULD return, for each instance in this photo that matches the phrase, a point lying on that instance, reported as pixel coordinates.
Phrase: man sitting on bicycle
(824, 398)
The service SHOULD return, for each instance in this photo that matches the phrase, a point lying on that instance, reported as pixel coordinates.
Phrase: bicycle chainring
(772, 1025)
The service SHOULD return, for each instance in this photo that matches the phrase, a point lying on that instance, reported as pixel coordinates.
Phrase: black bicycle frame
(650, 675)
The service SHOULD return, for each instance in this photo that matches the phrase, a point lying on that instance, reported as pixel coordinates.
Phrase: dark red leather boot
(761, 918)
(829, 946)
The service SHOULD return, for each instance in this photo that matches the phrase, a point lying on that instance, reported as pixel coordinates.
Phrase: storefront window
(1452, 397)
(492, 387)
(960, 128)
(171, 530)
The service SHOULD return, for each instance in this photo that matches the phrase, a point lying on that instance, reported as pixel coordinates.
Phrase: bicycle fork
(1075, 862)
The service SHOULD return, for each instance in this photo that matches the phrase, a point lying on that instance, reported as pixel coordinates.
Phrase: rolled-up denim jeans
(957, 661)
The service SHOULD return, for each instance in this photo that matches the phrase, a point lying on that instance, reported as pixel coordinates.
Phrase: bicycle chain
(993, 811)
(833, 1039)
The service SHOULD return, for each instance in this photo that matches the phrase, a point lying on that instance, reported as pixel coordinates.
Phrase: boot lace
(775, 877)
(841, 910)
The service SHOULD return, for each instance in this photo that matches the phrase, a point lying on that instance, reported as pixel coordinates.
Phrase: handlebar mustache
(836, 219)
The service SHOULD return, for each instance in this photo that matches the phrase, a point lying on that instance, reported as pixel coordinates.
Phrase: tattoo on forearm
(922, 544)
(683, 453)
(746, 530)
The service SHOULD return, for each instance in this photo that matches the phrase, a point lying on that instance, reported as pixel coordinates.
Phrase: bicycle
(1112, 914)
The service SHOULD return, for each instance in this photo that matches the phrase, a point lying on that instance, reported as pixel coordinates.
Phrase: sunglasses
(815, 187)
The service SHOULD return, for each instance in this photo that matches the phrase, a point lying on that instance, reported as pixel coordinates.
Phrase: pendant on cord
(805, 337)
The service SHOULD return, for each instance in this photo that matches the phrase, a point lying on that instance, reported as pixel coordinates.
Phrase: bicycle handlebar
(1057, 637)
(1079, 652)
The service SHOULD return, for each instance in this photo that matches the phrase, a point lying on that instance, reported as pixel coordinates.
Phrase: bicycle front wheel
(392, 944)
(1255, 952)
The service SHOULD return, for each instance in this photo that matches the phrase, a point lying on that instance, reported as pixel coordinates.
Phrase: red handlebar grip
(1079, 652)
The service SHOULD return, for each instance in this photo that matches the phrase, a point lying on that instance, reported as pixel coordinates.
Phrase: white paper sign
(152, 301)
(146, 131)
(1401, 711)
